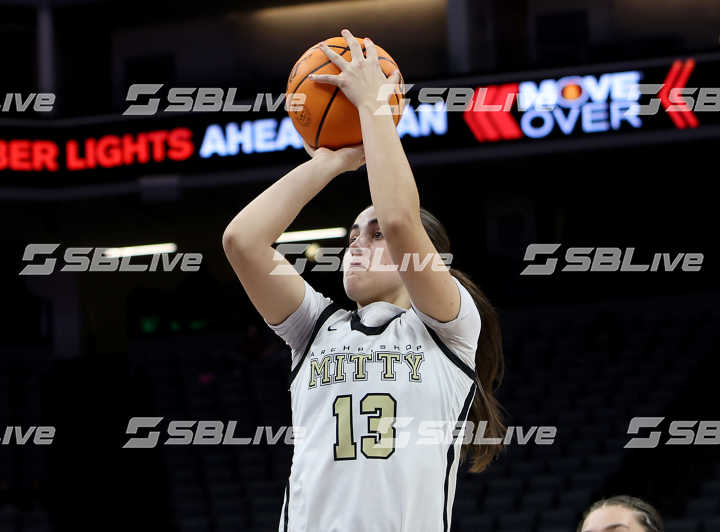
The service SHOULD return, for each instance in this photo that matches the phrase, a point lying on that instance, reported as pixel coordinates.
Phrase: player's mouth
(355, 266)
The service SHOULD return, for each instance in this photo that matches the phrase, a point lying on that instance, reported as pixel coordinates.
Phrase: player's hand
(342, 160)
(361, 78)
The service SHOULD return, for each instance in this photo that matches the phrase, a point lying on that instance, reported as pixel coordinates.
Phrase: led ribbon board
(625, 102)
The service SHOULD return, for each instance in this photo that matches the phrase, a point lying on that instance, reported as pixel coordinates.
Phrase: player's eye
(378, 233)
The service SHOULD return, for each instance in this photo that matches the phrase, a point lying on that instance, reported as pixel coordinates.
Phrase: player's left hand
(361, 78)
(341, 160)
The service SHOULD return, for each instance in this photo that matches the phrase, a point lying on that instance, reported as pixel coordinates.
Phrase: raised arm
(392, 185)
(248, 238)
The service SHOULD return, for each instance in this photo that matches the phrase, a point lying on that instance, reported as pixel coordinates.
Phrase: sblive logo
(89, 259)
(41, 102)
(680, 432)
(191, 432)
(605, 259)
(207, 100)
(34, 434)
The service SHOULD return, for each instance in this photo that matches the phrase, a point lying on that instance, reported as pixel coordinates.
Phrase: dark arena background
(587, 351)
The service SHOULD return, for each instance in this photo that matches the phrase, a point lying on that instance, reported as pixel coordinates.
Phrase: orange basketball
(328, 119)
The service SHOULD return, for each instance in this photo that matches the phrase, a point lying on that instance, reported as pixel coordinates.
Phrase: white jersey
(362, 381)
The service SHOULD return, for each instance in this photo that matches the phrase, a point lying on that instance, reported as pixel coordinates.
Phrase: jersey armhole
(331, 309)
(452, 356)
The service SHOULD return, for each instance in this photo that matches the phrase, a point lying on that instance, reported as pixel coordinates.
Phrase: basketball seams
(326, 111)
(383, 58)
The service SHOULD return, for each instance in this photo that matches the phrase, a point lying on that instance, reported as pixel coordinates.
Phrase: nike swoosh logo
(331, 328)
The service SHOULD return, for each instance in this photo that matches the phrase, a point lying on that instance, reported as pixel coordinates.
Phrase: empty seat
(231, 523)
(537, 500)
(711, 488)
(507, 486)
(267, 520)
(223, 505)
(703, 506)
(496, 503)
(710, 524)
(553, 528)
(464, 505)
(526, 469)
(587, 480)
(549, 483)
(477, 524)
(565, 466)
(266, 504)
(190, 508)
(576, 499)
(682, 525)
(196, 524)
(562, 518)
(516, 521)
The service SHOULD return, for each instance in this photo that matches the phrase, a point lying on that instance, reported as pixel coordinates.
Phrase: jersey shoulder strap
(331, 309)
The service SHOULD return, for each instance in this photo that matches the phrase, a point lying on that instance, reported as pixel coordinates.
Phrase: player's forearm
(267, 216)
(392, 185)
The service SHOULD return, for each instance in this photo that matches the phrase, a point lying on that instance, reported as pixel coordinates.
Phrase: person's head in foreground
(621, 513)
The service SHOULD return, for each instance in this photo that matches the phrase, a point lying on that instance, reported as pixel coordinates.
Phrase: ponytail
(489, 359)
(489, 370)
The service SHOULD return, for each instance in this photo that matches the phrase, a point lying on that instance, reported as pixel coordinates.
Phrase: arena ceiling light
(148, 249)
(312, 234)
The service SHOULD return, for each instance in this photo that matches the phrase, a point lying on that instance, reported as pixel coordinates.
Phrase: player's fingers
(355, 48)
(394, 82)
(330, 79)
(333, 56)
(370, 50)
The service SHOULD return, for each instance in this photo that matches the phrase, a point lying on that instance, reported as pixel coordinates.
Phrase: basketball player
(423, 344)
(621, 513)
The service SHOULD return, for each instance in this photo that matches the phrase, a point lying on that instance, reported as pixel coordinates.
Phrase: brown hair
(647, 516)
(489, 358)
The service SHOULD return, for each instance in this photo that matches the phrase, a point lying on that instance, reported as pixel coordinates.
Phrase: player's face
(364, 277)
(612, 519)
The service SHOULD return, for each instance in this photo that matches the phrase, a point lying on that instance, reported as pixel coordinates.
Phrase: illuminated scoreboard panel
(475, 116)
(679, 94)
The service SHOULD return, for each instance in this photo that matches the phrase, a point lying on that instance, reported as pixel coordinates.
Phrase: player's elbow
(232, 245)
